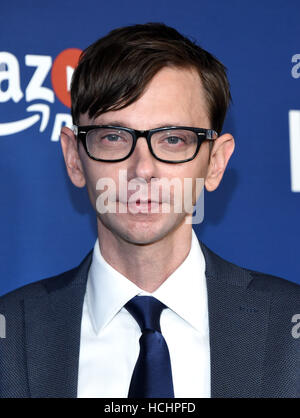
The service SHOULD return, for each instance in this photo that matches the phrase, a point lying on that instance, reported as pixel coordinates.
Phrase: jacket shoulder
(273, 284)
(231, 273)
(73, 277)
(37, 288)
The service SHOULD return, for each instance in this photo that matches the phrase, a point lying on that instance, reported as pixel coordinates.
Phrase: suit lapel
(238, 321)
(52, 326)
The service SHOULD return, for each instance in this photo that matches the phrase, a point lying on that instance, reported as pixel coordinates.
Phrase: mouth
(142, 206)
(138, 201)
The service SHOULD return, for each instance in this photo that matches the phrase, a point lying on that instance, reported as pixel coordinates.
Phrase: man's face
(173, 97)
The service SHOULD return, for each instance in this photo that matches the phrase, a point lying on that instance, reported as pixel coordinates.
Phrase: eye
(112, 137)
(174, 140)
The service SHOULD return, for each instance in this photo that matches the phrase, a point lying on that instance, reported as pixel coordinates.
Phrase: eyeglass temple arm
(211, 134)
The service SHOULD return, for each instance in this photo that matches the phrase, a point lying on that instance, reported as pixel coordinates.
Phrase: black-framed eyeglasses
(171, 144)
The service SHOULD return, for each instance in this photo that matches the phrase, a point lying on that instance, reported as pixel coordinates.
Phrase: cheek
(197, 168)
(93, 172)
(190, 170)
(192, 177)
(200, 164)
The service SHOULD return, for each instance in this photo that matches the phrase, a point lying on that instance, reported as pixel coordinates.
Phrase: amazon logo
(61, 71)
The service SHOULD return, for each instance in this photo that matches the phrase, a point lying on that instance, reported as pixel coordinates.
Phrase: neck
(147, 265)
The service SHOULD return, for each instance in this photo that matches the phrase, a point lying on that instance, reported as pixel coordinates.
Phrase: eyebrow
(125, 125)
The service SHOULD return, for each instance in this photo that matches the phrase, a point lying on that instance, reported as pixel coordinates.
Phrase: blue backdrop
(47, 225)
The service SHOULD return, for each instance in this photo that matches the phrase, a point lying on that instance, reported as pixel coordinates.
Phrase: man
(151, 311)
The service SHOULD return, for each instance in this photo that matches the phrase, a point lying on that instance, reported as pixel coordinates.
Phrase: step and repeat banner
(252, 219)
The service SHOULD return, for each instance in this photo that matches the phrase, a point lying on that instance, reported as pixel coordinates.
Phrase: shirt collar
(184, 291)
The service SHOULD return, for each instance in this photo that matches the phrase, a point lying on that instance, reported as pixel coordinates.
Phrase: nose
(141, 162)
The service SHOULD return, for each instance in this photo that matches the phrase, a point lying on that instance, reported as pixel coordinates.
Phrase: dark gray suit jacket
(253, 352)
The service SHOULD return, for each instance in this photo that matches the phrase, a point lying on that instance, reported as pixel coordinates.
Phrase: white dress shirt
(109, 345)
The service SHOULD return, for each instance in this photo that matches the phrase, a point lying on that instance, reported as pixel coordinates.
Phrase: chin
(140, 230)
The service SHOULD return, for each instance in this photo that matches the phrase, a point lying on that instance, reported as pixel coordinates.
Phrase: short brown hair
(113, 72)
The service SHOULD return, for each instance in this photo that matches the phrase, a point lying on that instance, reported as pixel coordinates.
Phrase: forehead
(173, 96)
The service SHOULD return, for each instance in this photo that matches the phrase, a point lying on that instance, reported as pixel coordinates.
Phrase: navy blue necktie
(152, 375)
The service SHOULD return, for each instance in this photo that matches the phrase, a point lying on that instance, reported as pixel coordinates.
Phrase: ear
(220, 155)
(71, 156)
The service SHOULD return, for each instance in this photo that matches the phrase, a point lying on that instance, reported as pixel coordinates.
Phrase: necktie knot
(146, 310)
